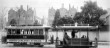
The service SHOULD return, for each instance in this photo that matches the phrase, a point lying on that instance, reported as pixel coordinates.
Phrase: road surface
(11, 46)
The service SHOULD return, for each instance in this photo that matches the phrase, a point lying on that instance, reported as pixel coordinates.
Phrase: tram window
(18, 31)
(36, 32)
(9, 31)
(13, 31)
(29, 32)
(22, 32)
(40, 31)
(25, 31)
(32, 30)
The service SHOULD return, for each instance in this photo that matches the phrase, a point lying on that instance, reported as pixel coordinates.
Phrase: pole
(56, 37)
(87, 36)
(97, 38)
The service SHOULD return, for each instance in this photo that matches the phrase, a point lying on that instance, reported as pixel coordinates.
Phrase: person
(73, 33)
(76, 36)
(66, 38)
(52, 39)
(83, 36)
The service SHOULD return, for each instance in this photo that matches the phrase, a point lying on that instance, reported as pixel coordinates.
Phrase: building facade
(21, 16)
(63, 12)
(51, 15)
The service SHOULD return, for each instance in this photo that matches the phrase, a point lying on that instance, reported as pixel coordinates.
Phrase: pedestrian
(52, 39)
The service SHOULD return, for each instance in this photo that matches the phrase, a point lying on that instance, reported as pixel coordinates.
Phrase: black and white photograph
(54, 23)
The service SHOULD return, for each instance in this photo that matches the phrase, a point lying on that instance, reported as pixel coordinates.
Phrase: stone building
(21, 16)
(72, 11)
(51, 15)
(63, 12)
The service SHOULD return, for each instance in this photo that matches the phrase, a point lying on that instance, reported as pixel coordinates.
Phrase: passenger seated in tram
(66, 38)
(76, 36)
(83, 36)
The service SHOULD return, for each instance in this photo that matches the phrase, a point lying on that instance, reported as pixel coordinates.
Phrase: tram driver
(73, 33)
(66, 38)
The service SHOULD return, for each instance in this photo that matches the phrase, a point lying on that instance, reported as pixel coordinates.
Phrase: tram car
(77, 42)
(26, 35)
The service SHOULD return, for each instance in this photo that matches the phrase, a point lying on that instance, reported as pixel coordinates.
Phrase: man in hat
(73, 33)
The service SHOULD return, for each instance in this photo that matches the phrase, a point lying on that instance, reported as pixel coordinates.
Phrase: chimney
(69, 6)
(63, 5)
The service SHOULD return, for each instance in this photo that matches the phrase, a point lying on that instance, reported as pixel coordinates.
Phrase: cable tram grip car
(77, 42)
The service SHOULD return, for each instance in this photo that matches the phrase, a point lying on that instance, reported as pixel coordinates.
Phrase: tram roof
(27, 27)
(76, 27)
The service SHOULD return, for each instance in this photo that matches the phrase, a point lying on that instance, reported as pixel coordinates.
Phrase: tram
(77, 42)
(27, 35)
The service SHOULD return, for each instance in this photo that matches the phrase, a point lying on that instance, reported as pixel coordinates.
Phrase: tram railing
(79, 41)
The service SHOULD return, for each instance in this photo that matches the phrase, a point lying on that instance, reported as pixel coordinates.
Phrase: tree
(56, 18)
(65, 20)
(91, 13)
(3, 12)
(13, 22)
(78, 18)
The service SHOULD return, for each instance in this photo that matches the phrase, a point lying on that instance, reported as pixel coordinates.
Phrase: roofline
(76, 27)
(27, 27)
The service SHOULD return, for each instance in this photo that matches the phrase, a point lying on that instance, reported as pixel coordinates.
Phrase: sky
(42, 6)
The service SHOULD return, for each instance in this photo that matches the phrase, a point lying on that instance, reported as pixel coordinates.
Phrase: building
(63, 12)
(21, 16)
(72, 11)
(51, 15)
(38, 19)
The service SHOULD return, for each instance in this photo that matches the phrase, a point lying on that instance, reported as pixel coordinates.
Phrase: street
(46, 46)
(11, 46)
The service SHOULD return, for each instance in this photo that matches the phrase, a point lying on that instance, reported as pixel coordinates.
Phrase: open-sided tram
(26, 35)
(77, 42)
